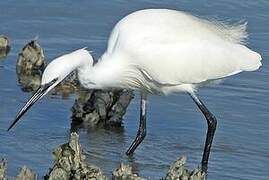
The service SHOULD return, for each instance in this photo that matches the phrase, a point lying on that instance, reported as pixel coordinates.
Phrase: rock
(124, 172)
(178, 171)
(101, 107)
(30, 65)
(3, 168)
(197, 174)
(4, 42)
(68, 163)
(4, 46)
(31, 59)
(69, 86)
(26, 174)
(119, 107)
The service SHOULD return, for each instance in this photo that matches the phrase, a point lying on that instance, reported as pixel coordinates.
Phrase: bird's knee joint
(212, 124)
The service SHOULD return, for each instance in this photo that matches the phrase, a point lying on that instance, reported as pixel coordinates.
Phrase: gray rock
(69, 86)
(68, 163)
(4, 41)
(101, 107)
(119, 107)
(30, 65)
(124, 172)
(177, 171)
(4, 46)
(31, 59)
(3, 168)
(26, 174)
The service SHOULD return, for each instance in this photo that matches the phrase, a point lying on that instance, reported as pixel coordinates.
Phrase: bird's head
(56, 72)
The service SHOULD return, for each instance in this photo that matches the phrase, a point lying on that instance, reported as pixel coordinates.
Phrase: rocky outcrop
(26, 174)
(4, 46)
(3, 169)
(179, 172)
(101, 107)
(69, 164)
(124, 172)
(30, 65)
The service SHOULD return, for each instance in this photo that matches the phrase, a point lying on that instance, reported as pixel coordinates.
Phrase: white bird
(158, 51)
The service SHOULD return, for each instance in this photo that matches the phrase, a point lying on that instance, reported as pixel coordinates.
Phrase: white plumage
(163, 51)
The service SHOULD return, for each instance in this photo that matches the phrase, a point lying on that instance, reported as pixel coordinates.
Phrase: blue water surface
(175, 126)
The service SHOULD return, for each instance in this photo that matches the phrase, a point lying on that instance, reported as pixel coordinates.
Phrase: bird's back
(174, 47)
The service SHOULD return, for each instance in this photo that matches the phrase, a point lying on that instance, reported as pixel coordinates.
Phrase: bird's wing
(176, 48)
(196, 62)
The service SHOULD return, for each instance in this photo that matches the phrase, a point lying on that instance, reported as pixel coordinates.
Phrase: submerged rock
(124, 172)
(3, 168)
(4, 46)
(4, 42)
(31, 59)
(68, 163)
(178, 171)
(30, 65)
(101, 107)
(26, 174)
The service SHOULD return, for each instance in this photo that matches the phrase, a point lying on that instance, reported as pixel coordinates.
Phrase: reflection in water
(103, 145)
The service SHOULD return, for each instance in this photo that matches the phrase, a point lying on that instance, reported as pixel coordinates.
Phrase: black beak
(40, 92)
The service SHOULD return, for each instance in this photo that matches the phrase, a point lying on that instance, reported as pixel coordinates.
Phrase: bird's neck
(100, 76)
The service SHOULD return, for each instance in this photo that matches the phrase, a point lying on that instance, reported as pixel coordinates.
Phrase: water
(175, 126)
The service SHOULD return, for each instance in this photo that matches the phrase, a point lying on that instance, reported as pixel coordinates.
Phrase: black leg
(141, 133)
(211, 127)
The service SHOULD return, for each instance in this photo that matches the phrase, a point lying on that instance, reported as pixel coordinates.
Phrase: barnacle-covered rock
(3, 168)
(31, 59)
(68, 163)
(177, 171)
(101, 107)
(4, 46)
(26, 174)
(30, 65)
(124, 172)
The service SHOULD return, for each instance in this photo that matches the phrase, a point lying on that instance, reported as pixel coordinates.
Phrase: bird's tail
(250, 60)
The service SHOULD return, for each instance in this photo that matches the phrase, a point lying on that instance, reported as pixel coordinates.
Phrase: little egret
(158, 51)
